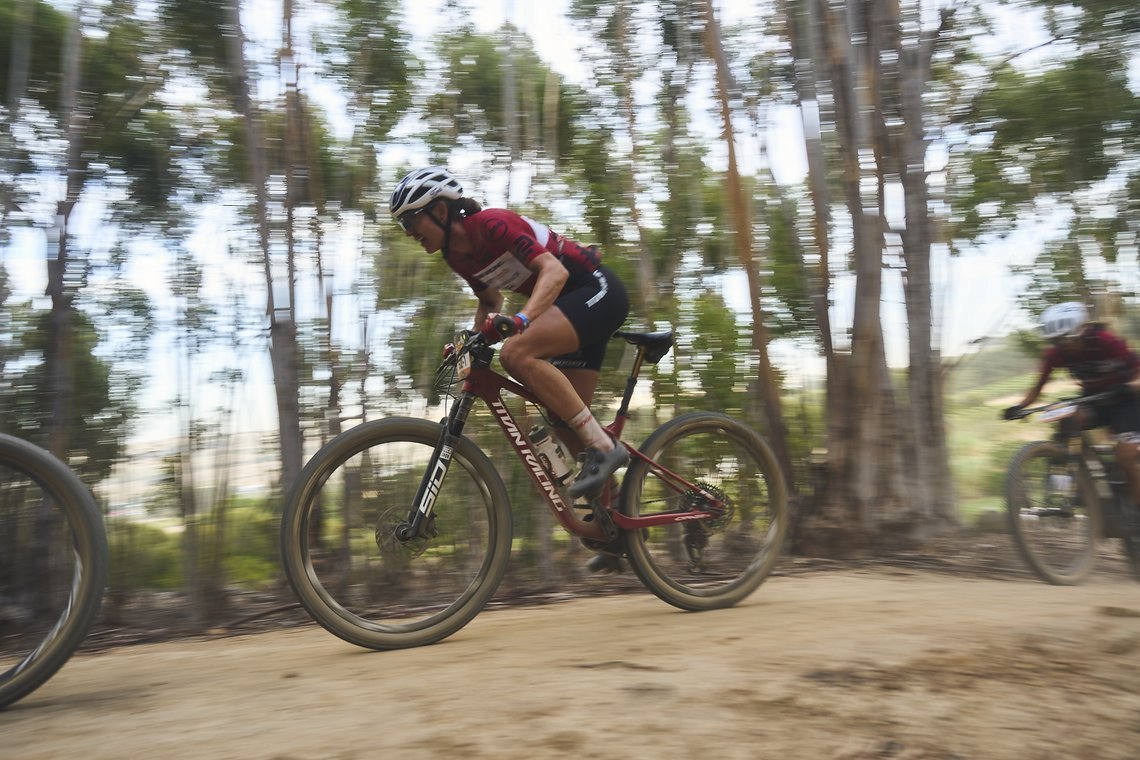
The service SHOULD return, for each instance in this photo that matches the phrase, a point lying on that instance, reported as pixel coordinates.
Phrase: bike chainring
(391, 524)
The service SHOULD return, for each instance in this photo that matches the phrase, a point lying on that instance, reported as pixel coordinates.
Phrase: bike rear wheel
(1054, 513)
(713, 563)
(345, 564)
(53, 566)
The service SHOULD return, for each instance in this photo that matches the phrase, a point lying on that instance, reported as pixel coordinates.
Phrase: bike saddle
(656, 344)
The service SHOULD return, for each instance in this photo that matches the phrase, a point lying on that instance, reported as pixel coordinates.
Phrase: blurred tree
(619, 62)
(364, 54)
(888, 464)
(470, 107)
(744, 240)
(1060, 140)
(88, 84)
(99, 416)
(210, 31)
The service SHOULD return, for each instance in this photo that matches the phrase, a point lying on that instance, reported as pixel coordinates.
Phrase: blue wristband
(525, 321)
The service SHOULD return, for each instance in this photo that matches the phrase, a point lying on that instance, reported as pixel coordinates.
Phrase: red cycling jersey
(1100, 360)
(505, 243)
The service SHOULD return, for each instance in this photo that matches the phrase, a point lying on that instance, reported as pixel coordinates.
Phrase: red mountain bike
(399, 530)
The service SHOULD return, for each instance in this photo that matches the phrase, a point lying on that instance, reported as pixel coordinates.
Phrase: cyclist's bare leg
(585, 382)
(526, 357)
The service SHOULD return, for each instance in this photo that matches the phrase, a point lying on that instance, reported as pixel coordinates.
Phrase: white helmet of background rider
(1064, 320)
(419, 188)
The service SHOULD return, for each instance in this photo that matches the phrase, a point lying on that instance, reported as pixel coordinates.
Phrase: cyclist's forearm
(552, 278)
(489, 303)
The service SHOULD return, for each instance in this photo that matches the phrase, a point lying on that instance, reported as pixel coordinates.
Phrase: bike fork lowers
(451, 431)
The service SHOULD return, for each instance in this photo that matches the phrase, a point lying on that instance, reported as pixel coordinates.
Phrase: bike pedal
(605, 563)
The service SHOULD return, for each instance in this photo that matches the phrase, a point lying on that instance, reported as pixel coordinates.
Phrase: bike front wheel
(1054, 513)
(339, 540)
(710, 563)
(53, 566)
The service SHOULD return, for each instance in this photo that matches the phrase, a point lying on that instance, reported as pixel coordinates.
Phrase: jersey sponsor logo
(524, 244)
(496, 229)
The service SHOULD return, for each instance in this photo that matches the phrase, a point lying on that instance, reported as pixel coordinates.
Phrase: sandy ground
(839, 664)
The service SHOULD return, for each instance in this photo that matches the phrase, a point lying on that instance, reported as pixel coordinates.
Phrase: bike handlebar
(1080, 400)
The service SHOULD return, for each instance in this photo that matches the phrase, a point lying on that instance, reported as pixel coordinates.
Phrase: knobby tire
(338, 546)
(739, 550)
(53, 566)
(1059, 548)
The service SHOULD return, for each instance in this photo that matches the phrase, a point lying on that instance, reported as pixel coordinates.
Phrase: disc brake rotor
(388, 531)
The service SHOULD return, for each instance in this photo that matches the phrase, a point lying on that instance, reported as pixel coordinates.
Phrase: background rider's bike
(399, 530)
(1065, 494)
(53, 566)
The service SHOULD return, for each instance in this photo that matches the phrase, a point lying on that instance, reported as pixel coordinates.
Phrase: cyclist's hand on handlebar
(1015, 412)
(499, 326)
(458, 342)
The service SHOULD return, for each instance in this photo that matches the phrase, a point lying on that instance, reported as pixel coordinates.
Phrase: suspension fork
(451, 430)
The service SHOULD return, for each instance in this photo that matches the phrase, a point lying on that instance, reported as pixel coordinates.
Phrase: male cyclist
(574, 304)
(1100, 362)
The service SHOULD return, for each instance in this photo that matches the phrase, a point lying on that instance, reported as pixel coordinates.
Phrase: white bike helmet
(421, 187)
(1064, 320)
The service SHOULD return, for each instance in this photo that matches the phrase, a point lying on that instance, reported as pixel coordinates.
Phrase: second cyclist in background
(573, 304)
(1100, 362)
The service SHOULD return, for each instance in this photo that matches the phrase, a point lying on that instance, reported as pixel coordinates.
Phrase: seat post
(631, 382)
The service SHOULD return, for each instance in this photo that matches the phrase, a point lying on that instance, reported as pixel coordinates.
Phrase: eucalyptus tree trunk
(282, 326)
(867, 469)
(194, 579)
(58, 358)
(738, 202)
(908, 146)
(803, 28)
(803, 24)
(646, 291)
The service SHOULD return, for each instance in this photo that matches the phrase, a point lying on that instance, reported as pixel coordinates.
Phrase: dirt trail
(839, 664)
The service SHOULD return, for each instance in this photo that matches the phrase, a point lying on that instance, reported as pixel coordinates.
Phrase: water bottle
(550, 454)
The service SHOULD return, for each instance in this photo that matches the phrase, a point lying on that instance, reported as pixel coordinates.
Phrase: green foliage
(368, 53)
(46, 27)
(200, 28)
(251, 549)
(471, 106)
(785, 257)
(148, 557)
(98, 419)
(143, 557)
(1063, 148)
(717, 355)
(142, 150)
